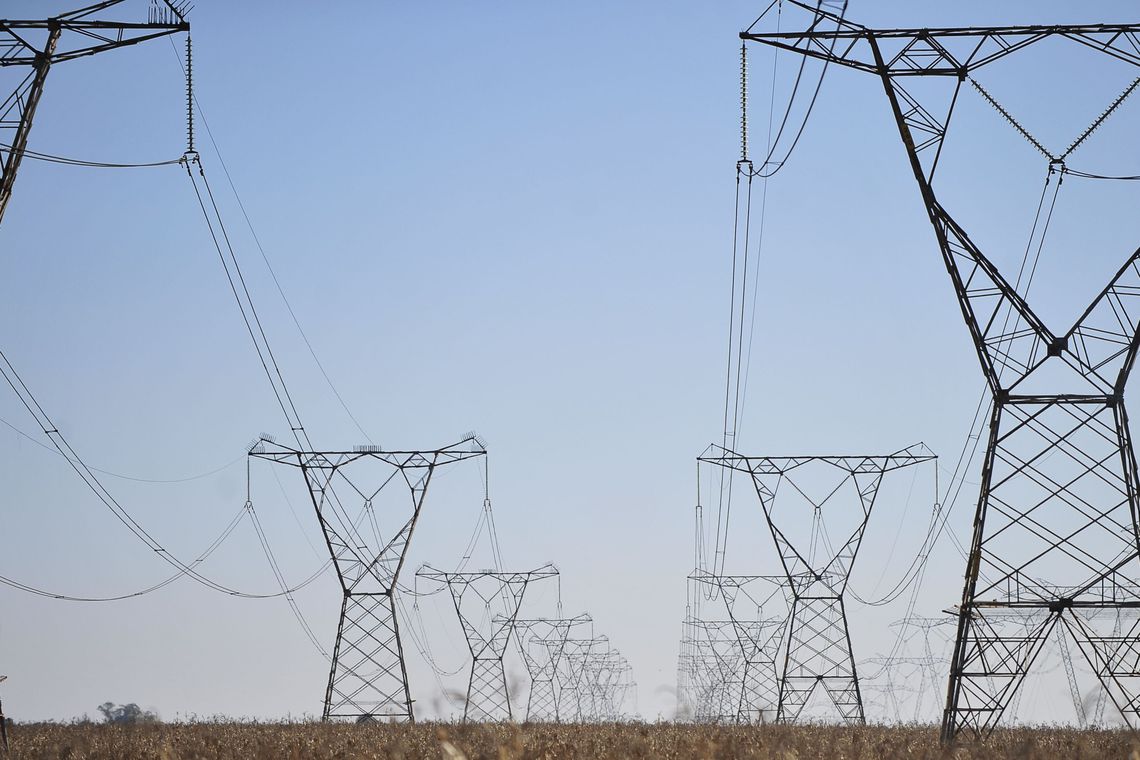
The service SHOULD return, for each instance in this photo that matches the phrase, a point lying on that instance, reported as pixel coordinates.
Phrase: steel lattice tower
(570, 676)
(818, 650)
(1055, 532)
(760, 638)
(718, 667)
(38, 45)
(542, 643)
(608, 681)
(488, 697)
(368, 678)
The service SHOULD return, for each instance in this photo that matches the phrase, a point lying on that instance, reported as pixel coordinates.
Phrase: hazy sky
(514, 218)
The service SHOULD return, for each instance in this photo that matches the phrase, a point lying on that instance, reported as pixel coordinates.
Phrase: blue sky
(515, 219)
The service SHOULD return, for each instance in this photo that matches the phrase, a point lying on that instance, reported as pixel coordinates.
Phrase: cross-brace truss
(488, 634)
(1055, 533)
(368, 678)
(818, 651)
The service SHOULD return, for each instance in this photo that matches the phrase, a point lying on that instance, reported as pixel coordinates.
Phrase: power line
(133, 478)
(197, 106)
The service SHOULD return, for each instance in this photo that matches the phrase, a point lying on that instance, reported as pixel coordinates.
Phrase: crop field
(295, 741)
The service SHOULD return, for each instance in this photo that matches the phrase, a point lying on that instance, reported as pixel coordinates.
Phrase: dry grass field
(251, 741)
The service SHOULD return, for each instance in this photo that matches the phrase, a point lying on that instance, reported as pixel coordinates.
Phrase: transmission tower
(488, 697)
(570, 675)
(700, 687)
(926, 668)
(686, 684)
(818, 650)
(37, 45)
(1055, 533)
(719, 670)
(542, 642)
(606, 678)
(760, 638)
(368, 678)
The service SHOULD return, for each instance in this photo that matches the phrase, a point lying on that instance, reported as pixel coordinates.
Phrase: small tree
(126, 714)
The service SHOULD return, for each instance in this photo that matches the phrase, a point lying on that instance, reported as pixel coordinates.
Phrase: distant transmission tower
(749, 601)
(542, 642)
(1055, 534)
(475, 594)
(368, 678)
(570, 677)
(37, 45)
(818, 651)
(925, 669)
(719, 667)
(608, 682)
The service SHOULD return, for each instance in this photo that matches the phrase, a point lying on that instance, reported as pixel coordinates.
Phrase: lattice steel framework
(488, 696)
(570, 675)
(718, 670)
(542, 643)
(38, 44)
(687, 701)
(368, 678)
(818, 650)
(607, 681)
(920, 671)
(760, 638)
(1056, 525)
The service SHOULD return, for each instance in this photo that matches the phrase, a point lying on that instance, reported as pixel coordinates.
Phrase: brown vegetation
(252, 741)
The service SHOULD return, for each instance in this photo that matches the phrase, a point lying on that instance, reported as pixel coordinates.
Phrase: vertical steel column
(27, 112)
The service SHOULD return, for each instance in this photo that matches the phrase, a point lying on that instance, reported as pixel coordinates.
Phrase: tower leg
(25, 103)
(992, 655)
(570, 703)
(487, 697)
(760, 693)
(367, 678)
(541, 704)
(819, 653)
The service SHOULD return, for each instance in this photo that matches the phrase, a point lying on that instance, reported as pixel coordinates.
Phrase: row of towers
(1054, 547)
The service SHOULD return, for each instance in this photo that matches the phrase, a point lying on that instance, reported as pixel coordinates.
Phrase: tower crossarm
(83, 32)
(467, 447)
(803, 566)
(932, 51)
(542, 641)
(339, 480)
(489, 587)
(759, 637)
(854, 464)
